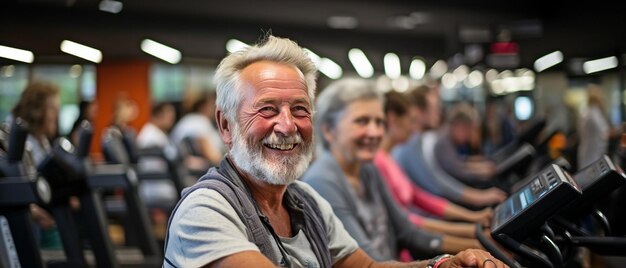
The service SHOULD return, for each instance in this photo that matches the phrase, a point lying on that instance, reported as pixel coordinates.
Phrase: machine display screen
(523, 198)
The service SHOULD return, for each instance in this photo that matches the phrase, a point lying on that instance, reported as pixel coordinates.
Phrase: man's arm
(243, 259)
(467, 258)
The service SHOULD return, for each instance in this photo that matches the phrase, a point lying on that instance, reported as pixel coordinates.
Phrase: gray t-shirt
(207, 228)
(375, 220)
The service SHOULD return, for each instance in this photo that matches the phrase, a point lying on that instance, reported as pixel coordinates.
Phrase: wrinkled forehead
(269, 71)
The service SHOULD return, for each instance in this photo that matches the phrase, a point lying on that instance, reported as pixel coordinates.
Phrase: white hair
(275, 49)
(333, 100)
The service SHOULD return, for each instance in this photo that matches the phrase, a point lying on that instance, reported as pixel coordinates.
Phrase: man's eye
(300, 110)
(267, 111)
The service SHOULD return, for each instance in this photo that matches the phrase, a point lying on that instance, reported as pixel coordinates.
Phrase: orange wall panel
(115, 78)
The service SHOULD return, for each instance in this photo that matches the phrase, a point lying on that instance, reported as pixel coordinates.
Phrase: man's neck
(269, 197)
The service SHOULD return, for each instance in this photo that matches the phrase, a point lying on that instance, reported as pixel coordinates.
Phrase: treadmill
(519, 223)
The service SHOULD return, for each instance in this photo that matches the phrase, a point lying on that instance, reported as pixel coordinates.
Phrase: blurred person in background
(154, 133)
(410, 196)
(494, 135)
(39, 106)
(87, 111)
(457, 133)
(125, 110)
(196, 127)
(593, 128)
(415, 156)
(350, 124)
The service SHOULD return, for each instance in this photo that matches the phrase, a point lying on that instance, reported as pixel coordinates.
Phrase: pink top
(405, 192)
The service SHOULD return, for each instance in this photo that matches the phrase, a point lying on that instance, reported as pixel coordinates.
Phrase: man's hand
(473, 258)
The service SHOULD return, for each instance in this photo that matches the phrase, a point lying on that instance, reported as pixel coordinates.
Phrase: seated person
(410, 196)
(425, 110)
(196, 125)
(124, 111)
(265, 97)
(39, 106)
(457, 133)
(350, 122)
(154, 133)
(87, 112)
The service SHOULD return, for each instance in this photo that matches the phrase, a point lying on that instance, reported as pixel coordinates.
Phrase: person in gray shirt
(416, 158)
(350, 123)
(265, 97)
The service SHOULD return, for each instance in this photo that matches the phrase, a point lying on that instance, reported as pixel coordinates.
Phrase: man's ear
(223, 127)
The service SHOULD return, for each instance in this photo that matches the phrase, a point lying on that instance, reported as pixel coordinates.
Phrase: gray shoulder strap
(241, 204)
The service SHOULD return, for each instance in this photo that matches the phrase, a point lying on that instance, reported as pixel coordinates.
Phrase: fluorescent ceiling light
(474, 79)
(330, 68)
(111, 6)
(392, 65)
(548, 61)
(234, 45)
(81, 51)
(448, 80)
(16, 54)
(161, 51)
(593, 66)
(342, 22)
(438, 69)
(314, 57)
(417, 69)
(460, 73)
(360, 62)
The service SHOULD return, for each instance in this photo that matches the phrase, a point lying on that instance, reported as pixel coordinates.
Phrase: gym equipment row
(543, 223)
(67, 172)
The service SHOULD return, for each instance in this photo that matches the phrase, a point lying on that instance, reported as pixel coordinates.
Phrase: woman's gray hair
(275, 49)
(333, 100)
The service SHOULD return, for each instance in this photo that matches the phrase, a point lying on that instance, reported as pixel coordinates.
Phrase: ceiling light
(111, 6)
(448, 80)
(16, 54)
(417, 69)
(392, 65)
(474, 79)
(360, 62)
(314, 57)
(234, 45)
(491, 75)
(438, 69)
(342, 22)
(161, 51)
(460, 73)
(548, 61)
(330, 68)
(593, 66)
(81, 51)
(401, 84)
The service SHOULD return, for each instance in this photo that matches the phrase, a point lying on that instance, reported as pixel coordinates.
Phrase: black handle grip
(17, 140)
(493, 249)
(84, 139)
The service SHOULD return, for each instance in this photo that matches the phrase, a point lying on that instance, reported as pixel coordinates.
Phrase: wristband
(436, 261)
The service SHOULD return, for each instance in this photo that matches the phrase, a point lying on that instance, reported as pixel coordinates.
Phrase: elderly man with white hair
(251, 211)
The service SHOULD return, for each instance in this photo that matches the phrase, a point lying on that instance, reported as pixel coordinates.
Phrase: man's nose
(285, 124)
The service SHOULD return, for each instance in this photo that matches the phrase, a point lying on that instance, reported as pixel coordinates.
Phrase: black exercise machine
(543, 228)
(17, 191)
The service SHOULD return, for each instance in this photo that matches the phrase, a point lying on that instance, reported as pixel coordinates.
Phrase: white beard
(272, 169)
